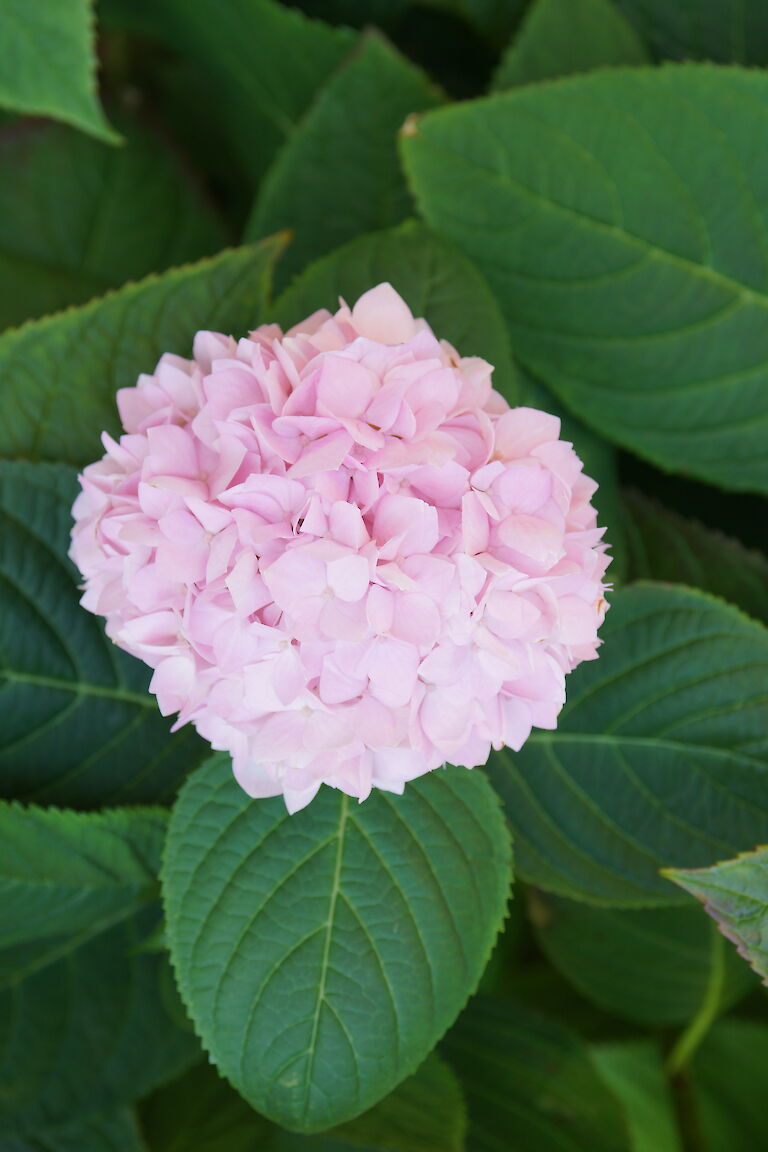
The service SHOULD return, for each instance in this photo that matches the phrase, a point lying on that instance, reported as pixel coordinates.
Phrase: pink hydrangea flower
(345, 557)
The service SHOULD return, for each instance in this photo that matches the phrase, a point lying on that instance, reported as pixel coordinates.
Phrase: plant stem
(692, 1036)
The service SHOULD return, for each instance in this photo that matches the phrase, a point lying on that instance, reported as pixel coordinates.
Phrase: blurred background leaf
(350, 135)
(48, 63)
(561, 37)
(78, 217)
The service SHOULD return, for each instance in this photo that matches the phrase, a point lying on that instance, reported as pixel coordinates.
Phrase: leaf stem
(690, 1039)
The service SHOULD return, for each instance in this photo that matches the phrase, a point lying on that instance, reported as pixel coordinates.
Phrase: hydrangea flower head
(346, 558)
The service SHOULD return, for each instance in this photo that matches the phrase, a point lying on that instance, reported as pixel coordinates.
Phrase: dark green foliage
(577, 192)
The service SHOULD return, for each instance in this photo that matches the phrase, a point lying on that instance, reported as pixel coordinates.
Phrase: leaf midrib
(325, 963)
(78, 687)
(644, 741)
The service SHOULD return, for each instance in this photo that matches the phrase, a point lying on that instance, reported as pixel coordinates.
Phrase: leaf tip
(410, 126)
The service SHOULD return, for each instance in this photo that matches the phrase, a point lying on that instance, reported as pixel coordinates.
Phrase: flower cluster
(345, 557)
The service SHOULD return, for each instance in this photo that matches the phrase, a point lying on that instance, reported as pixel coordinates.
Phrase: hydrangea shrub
(383, 595)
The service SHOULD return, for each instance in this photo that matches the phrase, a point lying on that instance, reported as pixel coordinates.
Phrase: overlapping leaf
(530, 1084)
(78, 218)
(662, 545)
(67, 876)
(634, 1072)
(435, 280)
(263, 61)
(639, 296)
(721, 30)
(350, 136)
(729, 1081)
(651, 966)
(659, 757)
(115, 1132)
(48, 63)
(59, 375)
(494, 19)
(89, 1033)
(561, 37)
(322, 955)
(735, 893)
(79, 727)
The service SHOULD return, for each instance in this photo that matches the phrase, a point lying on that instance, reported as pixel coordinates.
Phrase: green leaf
(635, 1074)
(323, 954)
(729, 1082)
(720, 30)
(561, 37)
(78, 218)
(262, 62)
(600, 463)
(349, 135)
(634, 291)
(435, 280)
(735, 894)
(116, 1132)
(79, 726)
(59, 375)
(48, 63)
(653, 966)
(66, 876)
(530, 1084)
(659, 757)
(666, 546)
(89, 1033)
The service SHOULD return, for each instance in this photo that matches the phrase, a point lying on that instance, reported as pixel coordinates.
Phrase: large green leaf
(48, 64)
(115, 1132)
(653, 966)
(659, 757)
(350, 136)
(561, 37)
(729, 1077)
(66, 876)
(530, 1084)
(663, 545)
(630, 287)
(735, 893)
(262, 62)
(322, 955)
(634, 1072)
(721, 30)
(58, 376)
(91, 1032)
(78, 217)
(435, 280)
(79, 726)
